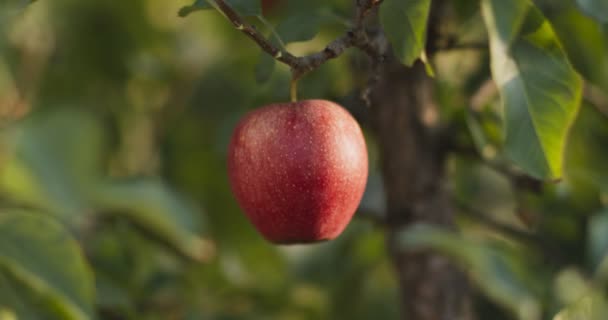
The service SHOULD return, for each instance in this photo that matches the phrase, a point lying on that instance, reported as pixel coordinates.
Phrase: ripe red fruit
(298, 170)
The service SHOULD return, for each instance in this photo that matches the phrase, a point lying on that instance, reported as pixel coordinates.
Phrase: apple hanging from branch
(298, 170)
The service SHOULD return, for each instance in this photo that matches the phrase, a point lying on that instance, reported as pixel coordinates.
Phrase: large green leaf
(159, 210)
(243, 7)
(540, 90)
(595, 8)
(52, 160)
(39, 253)
(502, 275)
(405, 24)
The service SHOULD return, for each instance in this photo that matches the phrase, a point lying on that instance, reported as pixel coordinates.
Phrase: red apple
(298, 170)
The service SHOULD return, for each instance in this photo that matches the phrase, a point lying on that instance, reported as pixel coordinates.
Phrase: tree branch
(250, 31)
(354, 37)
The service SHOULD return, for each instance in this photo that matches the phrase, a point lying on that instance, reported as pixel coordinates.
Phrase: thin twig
(254, 35)
(354, 37)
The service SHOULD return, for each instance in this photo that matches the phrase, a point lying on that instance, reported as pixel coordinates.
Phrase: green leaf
(299, 26)
(53, 160)
(587, 157)
(264, 68)
(540, 90)
(405, 24)
(51, 167)
(158, 209)
(15, 302)
(585, 42)
(598, 9)
(500, 274)
(50, 263)
(243, 7)
(593, 306)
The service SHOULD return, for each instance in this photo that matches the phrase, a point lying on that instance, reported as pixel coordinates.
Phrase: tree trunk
(404, 118)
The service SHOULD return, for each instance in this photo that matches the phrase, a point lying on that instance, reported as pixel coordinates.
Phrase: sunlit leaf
(243, 7)
(405, 23)
(501, 275)
(39, 253)
(540, 90)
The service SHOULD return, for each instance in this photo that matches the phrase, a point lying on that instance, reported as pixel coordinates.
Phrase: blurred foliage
(114, 122)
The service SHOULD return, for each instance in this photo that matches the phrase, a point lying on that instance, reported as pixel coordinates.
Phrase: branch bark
(413, 159)
(413, 170)
(353, 37)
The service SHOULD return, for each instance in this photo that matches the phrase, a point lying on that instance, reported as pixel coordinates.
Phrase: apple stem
(293, 89)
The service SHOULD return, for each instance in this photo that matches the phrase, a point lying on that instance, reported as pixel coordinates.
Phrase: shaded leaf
(587, 157)
(51, 167)
(405, 23)
(53, 160)
(50, 263)
(264, 68)
(299, 26)
(541, 92)
(588, 53)
(155, 207)
(243, 7)
(598, 9)
(501, 275)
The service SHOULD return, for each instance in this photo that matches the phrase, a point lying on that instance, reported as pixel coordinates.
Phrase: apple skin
(298, 170)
